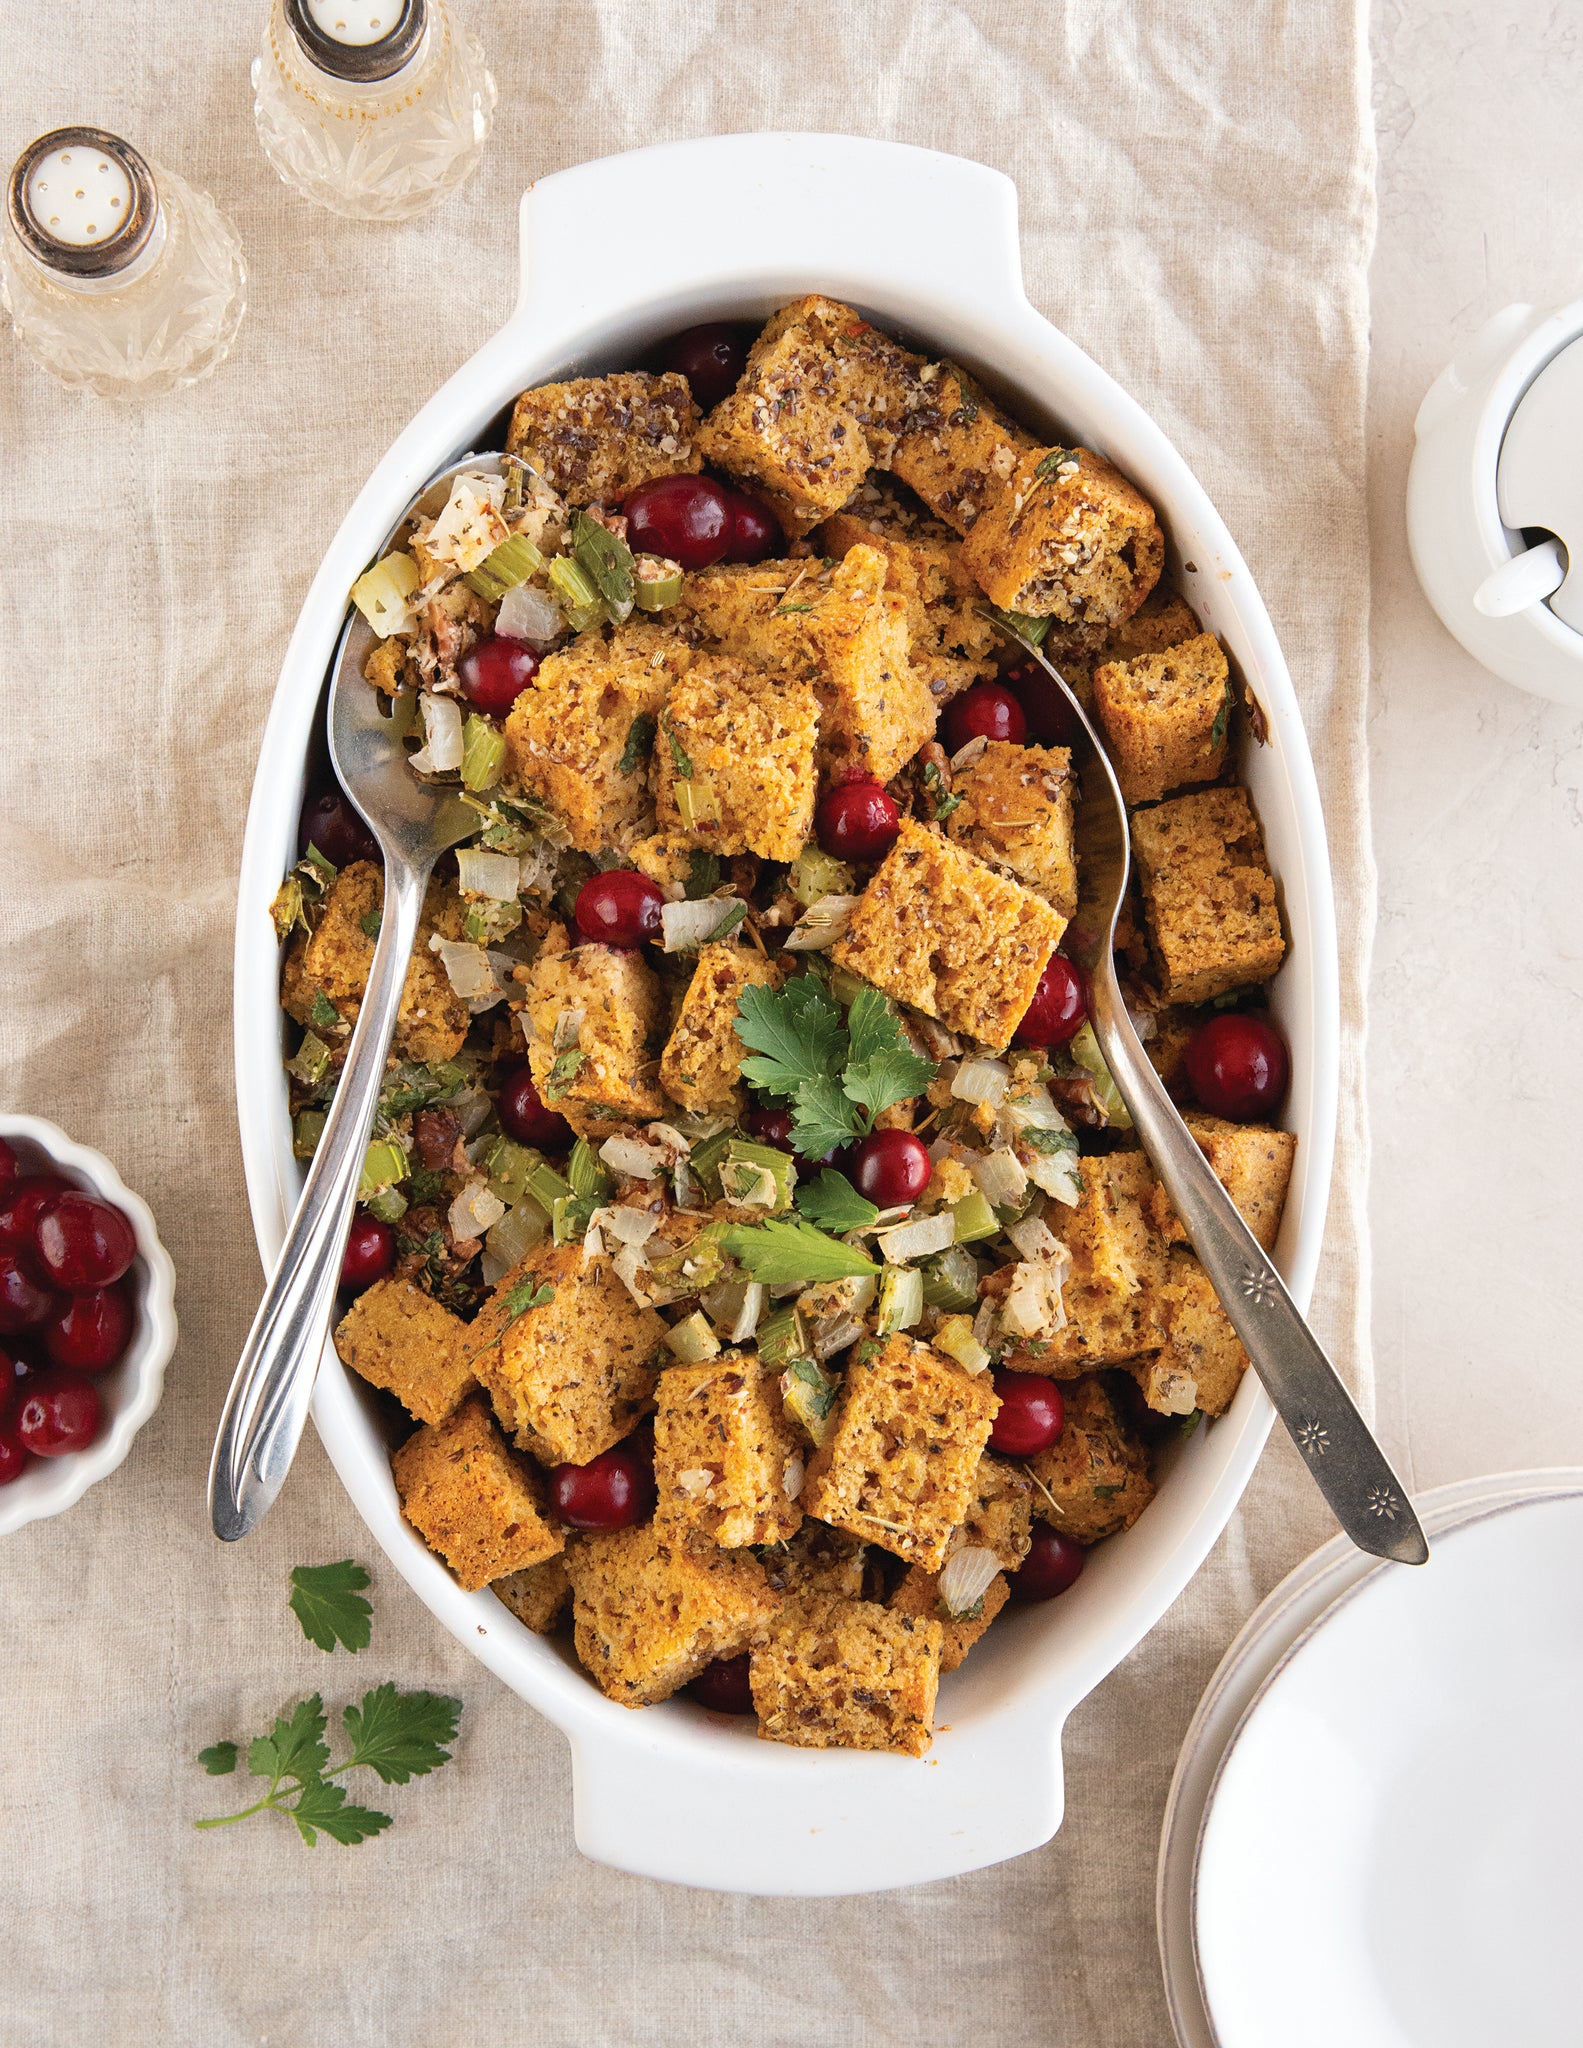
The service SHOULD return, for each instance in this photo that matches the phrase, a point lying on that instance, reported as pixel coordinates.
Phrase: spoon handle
(273, 1385)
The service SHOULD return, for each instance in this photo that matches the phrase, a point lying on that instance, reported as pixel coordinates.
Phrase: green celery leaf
(833, 1203)
(788, 1254)
(294, 1747)
(401, 1735)
(219, 1759)
(327, 1600)
(323, 1807)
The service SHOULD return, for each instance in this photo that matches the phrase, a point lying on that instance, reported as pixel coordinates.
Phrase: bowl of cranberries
(87, 1319)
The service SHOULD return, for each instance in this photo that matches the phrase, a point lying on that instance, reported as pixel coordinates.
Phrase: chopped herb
(942, 802)
(732, 914)
(869, 1347)
(1049, 1141)
(1055, 461)
(564, 1072)
(703, 874)
(792, 1254)
(781, 609)
(325, 1015)
(833, 1203)
(371, 921)
(1106, 1492)
(1217, 732)
(525, 1296)
(679, 760)
(1191, 1422)
(839, 1069)
(640, 740)
(427, 1186)
(607, 560)
(326, 870)
(327, 1599)
(1030, 631)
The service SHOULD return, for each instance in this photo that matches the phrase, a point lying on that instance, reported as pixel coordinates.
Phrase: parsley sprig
(327, 1599)
(838, 1071)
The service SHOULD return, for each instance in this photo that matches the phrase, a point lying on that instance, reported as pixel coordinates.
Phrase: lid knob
(360, 41)
(82, 201)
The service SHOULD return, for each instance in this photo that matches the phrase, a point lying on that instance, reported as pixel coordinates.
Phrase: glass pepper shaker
(372, 108)
(117, 274)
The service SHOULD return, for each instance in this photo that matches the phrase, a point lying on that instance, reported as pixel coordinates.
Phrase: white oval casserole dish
(925, 244)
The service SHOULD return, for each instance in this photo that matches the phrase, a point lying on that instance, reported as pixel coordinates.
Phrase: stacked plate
(1375, 1831)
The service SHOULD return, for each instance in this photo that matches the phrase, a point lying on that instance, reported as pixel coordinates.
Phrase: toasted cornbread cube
(540, 1597)
(961, 450)
(471, 1499)
(898, 1468)
(608, 1073)
(1016, 812)
(847, 1674)
(1112, 1294)
(1208, 894)
(822, 399)
(939, 929)
(702, 1062)
(919, 1595)
(735, 759)
(597, 438)
(1166, 716)
(653, 1605)
(834, 625)
(1253, 1164)
(570, 1376)
(1000, 1513)
(397, 1337)
(667, 858)
(580, 735)
(726, 1461)
(1165, 1382)
(818, 1559)
(1068, 537)
(433, 1019)
(950, 642)
(1095, 1475)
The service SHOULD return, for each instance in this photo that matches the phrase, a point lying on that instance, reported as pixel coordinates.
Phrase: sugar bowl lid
(82, 202)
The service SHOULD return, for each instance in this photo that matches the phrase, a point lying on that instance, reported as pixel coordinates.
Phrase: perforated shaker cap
(82, 201)
(358, 41)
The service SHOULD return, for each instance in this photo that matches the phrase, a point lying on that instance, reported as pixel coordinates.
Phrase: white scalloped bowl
(131, 1389)
(928, 245)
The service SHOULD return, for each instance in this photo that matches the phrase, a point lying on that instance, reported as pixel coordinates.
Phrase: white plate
(1389, 1857)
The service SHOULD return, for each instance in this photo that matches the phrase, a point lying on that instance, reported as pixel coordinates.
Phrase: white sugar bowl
(1495, 498)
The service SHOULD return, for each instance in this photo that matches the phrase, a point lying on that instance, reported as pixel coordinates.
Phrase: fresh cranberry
(619, 908)
(495, 673)
(59, 1412)
(771, 1126)
(83, 1242)
(1045, 706)
(23, 1203)
(13, 1455)
(611, 1491)
(370, 1252)
(755, 531)
(711, 356)
(983, 711)
(89, 1329)
(1053, 1563)
(723, 1686)
(857, 821)
(1238, 1066)
(7, 1164)
(687, 519)
(1032, 1414)
(527, 1119)
(23, 1302)
(1060, 1003)
(330, 823)
(891, 1168)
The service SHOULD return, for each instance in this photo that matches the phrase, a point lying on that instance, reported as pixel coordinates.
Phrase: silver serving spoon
(414, 823)
(1348, 1466)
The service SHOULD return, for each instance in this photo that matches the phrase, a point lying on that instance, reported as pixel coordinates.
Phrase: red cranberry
(23, 1203)
(983, 711)
(23, 1302)
(526, 1118)
(857, 821)
(723, 1686)
(711, 356)
(82, 1242)
(330, 823)
(1053, 1563)
(1032, 1414)
(771, 1126)
(7, 1164)
(13, 1454)
(755, 531)
(1238, 1066)
(59, 1412)
(611, 1491)
(89, 1329)
(370, 1252)
(1045, 706)
(495, 672)
(1060, 1003)
(619, 908)
(891, 1168)
(688, 519)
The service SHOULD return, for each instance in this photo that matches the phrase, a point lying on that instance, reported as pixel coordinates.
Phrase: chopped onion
(630, 1156)
(382, 594)
(1032, 1109)
(821, 925)
(629, 1262)
(529, 613)
(956, 1339)
(476, 1209)
(692, 1340)
(1034, 1238)
(795, 1473)
(967, 1577)
(469, 527)
(518, 1231)
(568, 1023)
(749, 1186)
(918, 1239)
(495, 875)
(627, 1224)
(737, 1308)
(980, 1080)
(1033, 1306)
(671, 1138)
(468, 970)
(1001, 1177)
(1058, 1174)
(688, 926)
(443, 745)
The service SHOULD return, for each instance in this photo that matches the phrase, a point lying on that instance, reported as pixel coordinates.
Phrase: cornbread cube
(726, 1461)
(822, 399)
(847, 1674)
(540, 1597)
(397, 1337)
(652, 1606)
(1016, 813)
(834, 625)
(1068, 537)
(1207, 893)
(1163, 620)
(735, 759)
(472, 1499)
(597, 438)
(608, 1073)
(580, 735)
(1253, 1164)
(432, 1021)
(1166, 716)
(1166, 1384)
(950, 642)
(1202, 1352)
(1096, 1473)
(1000, 1513)
(898, 1469)
(919, 1595)
(961, 450)
(818, 1559)
(939, 929)
(667, 859)
(1112, 1294)
(570, 1377)
(702, 1061)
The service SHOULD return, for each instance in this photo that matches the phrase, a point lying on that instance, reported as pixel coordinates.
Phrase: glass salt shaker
(117, 274)
(372, 108)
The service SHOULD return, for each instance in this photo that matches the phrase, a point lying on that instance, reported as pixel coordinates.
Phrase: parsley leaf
(325, 1016)
(833, 1203)
(371, 921)
(294, 1747)
(564, 1072)
(327, 1600)
(799, 1031)
(824, 1117)
(401, 1735)
(640, 738)
(882, 1068)
(1057, 458)
(703, 874)
(321, 1805)
(219, 1759)
(941, 802)
(527, 1296)
(1049, 1141)
(786, 1254)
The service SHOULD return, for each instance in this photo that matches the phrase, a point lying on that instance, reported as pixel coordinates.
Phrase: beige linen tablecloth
(1197, 211)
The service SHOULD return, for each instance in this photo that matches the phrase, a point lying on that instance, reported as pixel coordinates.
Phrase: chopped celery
(513, 562)
(900, 1299)
(656, 583)
(588, 1178)
(974, 1218)
(697, 800)
(521, 1228)
(546, 1186)
(705, 1162)
(1084, 1050)
(384, 1163)
(388, 1204)
(579, 595)
(306, 1133)
(695, 1269)
(483, 753)
(692, 1340)
(486, 923)
(782, 1337)
(746, 1152)
(311, 1062)
(509, 1169)
(815, 873)
(950, 1282)
(845, 987)
(808, 1395)
(955, 1338)
(381, 594)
